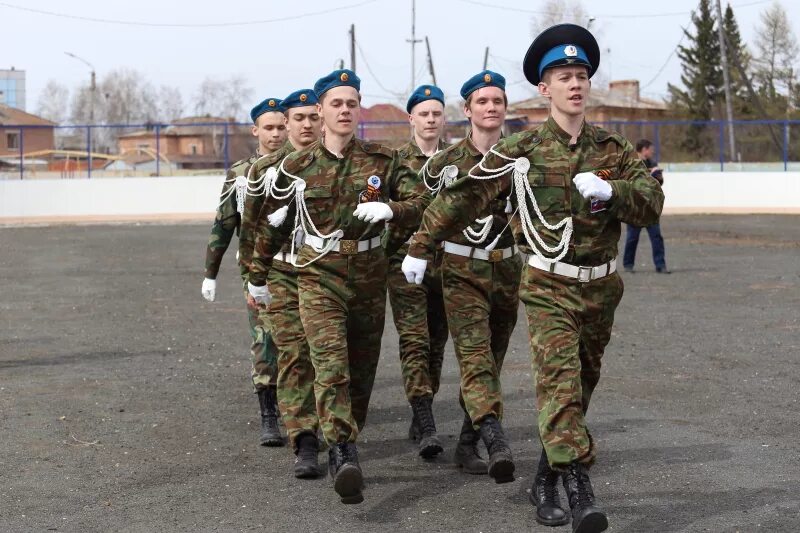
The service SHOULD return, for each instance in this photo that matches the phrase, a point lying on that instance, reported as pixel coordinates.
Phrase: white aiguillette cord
(522, 188)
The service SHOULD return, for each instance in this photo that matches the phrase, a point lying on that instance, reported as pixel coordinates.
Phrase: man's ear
(255, 130)
(544, 90)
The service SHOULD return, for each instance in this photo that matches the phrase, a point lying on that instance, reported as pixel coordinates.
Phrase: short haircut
(643, 144)
(468, 101)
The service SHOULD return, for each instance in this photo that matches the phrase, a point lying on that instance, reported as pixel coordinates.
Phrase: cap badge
(344, 76)
(570, 51)
(303, 97)
(427, 92)
(487, 78)
(271, 103)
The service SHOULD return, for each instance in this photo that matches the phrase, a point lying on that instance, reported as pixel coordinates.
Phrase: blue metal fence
(770, 143)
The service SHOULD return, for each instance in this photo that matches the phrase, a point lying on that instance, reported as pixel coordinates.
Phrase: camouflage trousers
(482, 301)
(295, 371)
(570, 325)
(263, 353)
(421, 324)
(343, 307)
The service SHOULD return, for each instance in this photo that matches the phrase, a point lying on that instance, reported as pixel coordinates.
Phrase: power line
(372, 73)
(183, 25)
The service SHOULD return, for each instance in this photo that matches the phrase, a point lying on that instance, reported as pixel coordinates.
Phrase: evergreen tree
(736, 51)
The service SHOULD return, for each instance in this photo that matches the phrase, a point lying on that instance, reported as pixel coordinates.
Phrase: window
(12, 141)
(143, 146)
(193, 148)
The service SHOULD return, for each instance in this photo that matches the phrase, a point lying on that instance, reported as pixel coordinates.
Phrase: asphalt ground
(125, 402)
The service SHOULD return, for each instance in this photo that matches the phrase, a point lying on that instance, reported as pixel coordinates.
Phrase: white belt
(582, 273)
(285, 257)
(345, 247)
(493, 256)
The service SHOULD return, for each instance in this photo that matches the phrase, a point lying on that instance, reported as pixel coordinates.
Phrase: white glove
(414, 269)
(209, 290)
(260, 294)
(373, 212)
(592, 186)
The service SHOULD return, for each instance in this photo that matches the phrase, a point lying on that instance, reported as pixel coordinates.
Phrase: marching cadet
(269, 127)
(480, 271)
(573, 183)
(295, 372)
(418, 310)
(344, 191)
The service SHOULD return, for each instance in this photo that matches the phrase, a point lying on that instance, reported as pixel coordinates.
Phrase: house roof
(18, 117)
(597, 98)
(383, 113)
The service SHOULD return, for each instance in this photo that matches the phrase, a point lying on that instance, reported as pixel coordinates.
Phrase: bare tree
(776, 50)
(170, 103)
(53, 102)
(224, 98)
(128, 98)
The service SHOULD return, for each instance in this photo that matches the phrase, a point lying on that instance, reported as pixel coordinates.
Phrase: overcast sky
(279, 56)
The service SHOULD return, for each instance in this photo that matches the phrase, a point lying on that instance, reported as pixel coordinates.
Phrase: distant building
(621, 102)
(12, 88)
(188, 143)
(384, 123)
(16, 138)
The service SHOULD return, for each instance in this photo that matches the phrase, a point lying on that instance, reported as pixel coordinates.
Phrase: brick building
(22, 132)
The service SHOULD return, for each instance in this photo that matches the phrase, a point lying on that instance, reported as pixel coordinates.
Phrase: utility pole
(486, 58)
(430, 60)
(726, 78)
(413, 42)
(353, 47)
(92, 93)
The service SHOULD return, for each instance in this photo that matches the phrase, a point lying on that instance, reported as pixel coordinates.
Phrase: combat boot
(466, 455)
(413, 429)
(544, 495)
(501, 464)
(429, 444)
(345, 472)
(586, 518)
(270, 433)
(306, 465)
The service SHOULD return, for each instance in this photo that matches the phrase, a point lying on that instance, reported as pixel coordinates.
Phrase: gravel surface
(125, 402)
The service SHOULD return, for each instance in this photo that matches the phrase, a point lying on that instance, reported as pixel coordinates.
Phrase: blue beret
(562, 44)
(270, 104)
(300, 98)
(487, 78)
(337, 78)
(423, 93)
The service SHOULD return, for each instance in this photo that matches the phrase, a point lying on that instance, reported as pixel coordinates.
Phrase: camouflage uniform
(226, 223)
(569, 321)
(295, 372)
(481, 296)
(418, 310)
(343, 294)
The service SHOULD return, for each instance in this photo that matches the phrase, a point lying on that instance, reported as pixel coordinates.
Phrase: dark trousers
(656, 242)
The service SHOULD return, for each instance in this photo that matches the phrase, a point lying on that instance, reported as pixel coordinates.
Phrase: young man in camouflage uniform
(295, 372)
(270, 129)
(480, 282)
(573, 183)
(345, 189)
(418, 310)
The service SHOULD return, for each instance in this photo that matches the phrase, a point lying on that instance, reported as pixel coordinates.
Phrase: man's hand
(592, 186)
(414, 269)
(260, 294)
(209, 290)
(373, 212)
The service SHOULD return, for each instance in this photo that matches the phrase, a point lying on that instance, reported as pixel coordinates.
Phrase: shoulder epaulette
(441, 159)
(377, 148)
(297, 161)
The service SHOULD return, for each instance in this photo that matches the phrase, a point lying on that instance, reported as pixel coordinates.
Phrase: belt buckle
(584, 274)
(348, 247)
(495, 256)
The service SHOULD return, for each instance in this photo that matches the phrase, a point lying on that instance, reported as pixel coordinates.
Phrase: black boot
(544, 495)
(270, 433)
(501, 464)
(306, 465)
(466, 455)
(429, 444)
(345, 472)
(413, 429)
(586, 518)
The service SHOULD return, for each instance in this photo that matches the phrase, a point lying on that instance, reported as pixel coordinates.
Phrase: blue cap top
(487, 78)
(423, 93)
(337, 78)
(268, 105)
(569, 54)
(562, 44)
(300, 98)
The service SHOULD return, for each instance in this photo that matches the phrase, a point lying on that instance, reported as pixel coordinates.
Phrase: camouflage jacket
(636, 198)
(334, 187)
(411, 154)
(464, 155)
(227, 220)
(253, 215)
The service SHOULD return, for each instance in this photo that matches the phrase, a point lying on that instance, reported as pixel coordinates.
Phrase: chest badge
(372, 192)
(600, 205)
